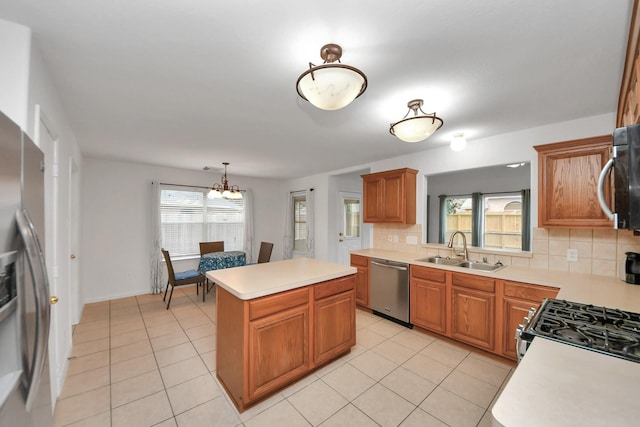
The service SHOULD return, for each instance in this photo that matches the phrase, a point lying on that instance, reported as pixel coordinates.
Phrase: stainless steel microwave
(625, 164)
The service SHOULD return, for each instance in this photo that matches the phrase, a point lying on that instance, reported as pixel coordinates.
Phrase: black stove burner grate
(602, 329)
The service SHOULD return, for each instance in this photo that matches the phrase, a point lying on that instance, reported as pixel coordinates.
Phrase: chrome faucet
(465, 252)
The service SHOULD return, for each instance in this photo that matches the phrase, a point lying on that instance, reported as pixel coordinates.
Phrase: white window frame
(234, 239)
(299, 245)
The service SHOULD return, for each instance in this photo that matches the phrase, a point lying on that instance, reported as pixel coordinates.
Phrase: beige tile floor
(136, 364)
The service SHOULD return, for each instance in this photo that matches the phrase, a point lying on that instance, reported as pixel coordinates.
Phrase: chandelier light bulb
(224, 190)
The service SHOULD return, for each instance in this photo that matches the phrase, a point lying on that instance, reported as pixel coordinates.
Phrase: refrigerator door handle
(601, 181)
(35, 259)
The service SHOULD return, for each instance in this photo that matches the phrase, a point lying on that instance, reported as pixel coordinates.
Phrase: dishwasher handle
(396, 267)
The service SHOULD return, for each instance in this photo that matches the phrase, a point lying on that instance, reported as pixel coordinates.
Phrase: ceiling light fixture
(458, 142)
(515, 165)
(332, 85)
(225, 190)
(416, 128)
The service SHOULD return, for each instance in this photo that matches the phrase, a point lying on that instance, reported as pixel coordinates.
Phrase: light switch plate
(412, 240)
(572, 255)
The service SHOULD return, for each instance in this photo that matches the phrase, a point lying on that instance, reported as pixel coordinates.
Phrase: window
(502, 221)
(458, 216)
(299, 223)
(492, 221)
(351, 218)
(188, 217)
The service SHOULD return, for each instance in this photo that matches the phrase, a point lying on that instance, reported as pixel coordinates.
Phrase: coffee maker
(632, 268)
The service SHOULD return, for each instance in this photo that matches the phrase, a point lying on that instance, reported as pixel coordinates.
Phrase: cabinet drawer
(425, 273)
(333, 287)
(279, 302)
(359, 261)
(474, 282)
(528, 292)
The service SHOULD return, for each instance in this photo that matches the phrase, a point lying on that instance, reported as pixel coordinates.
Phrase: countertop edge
(259, 280)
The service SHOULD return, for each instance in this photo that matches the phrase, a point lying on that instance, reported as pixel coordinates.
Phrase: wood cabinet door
(568, 175)
(514, 313)
(334, 326)
(394, 199)
(278, 350)
(473, 317)
(390, 196)
(428, 305)
(372, 196)
(362, 287)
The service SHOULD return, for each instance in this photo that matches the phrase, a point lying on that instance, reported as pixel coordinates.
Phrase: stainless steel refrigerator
(25, 392)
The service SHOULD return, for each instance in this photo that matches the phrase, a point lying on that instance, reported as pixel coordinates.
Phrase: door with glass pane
(349, 225)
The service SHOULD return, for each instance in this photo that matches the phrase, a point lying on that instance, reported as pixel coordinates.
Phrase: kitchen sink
(472, 265)
(484, 266)
(440, 260)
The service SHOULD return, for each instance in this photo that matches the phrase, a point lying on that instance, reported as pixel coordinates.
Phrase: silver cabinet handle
(601, 200)
(35, 259)
(396, 267)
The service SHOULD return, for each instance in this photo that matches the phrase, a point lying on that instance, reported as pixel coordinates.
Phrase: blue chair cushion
(187, 274)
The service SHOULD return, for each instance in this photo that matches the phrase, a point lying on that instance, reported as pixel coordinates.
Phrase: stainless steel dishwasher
(390, 290)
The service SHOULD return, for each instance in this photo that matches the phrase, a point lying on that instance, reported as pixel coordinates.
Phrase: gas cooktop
(606, 330)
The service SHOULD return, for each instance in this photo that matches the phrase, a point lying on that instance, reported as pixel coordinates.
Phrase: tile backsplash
(599, 252)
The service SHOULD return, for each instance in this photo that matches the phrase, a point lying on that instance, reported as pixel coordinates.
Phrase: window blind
(189, 217)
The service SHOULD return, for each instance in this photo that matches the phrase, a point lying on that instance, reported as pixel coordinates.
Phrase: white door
(55, 248)
(73, 236)
(349, 225)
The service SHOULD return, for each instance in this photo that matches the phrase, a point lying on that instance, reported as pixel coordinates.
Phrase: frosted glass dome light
(416, 128)
(331, 86)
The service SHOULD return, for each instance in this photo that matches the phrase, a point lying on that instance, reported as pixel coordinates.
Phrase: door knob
(53, 299)
(73, 256)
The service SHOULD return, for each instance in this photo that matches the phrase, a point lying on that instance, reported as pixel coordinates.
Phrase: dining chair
(188, 277)
(265, 252)
(207, 248)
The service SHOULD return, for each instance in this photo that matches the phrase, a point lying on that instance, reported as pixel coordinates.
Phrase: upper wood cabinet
(390, 196)
(567, 183)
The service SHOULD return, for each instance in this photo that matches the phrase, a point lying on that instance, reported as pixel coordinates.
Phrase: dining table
(220, 260)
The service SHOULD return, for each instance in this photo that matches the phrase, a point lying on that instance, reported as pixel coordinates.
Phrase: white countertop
(558, 384)
(579, 287)
(258, 280)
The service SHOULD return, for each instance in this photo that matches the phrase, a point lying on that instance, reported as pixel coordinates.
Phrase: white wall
(116, 226)
(501, 149)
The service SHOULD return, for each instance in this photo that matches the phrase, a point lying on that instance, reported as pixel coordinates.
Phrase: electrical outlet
(395, 238)
(572, 255)
(412, 240)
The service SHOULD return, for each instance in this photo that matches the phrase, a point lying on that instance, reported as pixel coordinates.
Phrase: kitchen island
(278, 321)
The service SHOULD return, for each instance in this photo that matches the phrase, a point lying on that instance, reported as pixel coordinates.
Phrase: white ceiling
(191, 83)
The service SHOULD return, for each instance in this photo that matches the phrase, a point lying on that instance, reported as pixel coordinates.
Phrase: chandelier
(225, 190)
(418, 127)
(332, 85)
